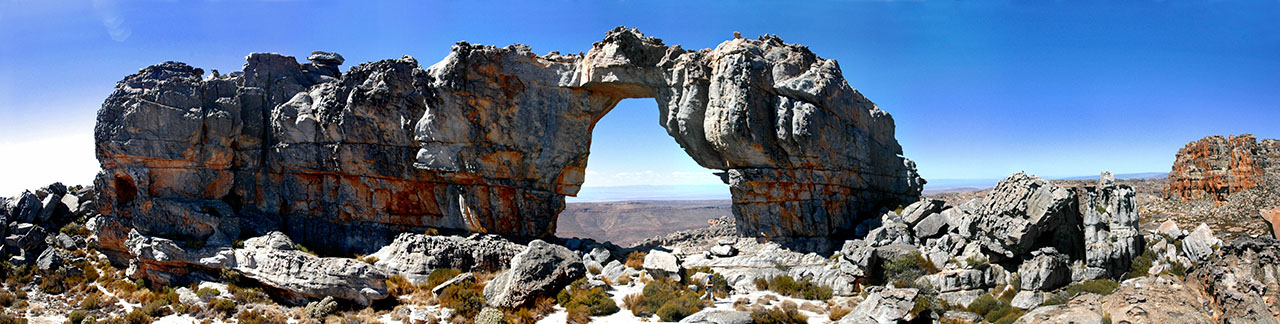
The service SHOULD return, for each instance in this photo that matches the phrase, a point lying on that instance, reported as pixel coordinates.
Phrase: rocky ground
(1002, 257)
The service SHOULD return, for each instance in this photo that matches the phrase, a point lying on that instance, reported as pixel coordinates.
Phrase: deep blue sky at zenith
(978, 89)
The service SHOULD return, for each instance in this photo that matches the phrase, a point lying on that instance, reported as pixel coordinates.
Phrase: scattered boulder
(962, 279)
(719, 316)
(1170, 228)
(888, 306)
(1028, 299)
(1200, 244)
(275, 261)
(541, 269)
(1272, 216)
(49, 260)
(931, 226)
(1045, 271)
(27, 209)
(662, 263)
(918, 210)
(416, 255)
(724, 251)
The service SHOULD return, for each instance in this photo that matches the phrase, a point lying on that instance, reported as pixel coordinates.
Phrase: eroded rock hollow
(490, 139)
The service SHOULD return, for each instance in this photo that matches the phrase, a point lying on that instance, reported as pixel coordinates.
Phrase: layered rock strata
(487, 140)
(1214, 167)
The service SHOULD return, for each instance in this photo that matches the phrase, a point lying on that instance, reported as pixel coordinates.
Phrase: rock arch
(487, 140)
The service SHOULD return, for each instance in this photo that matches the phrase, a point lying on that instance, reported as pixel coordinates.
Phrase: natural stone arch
(487, 140)
(805, 155)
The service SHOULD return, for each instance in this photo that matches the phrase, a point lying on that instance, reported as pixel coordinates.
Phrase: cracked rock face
(1214, 167)
(489, 139)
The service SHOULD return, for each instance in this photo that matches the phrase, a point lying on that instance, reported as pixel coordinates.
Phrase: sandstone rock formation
(1240, 282)
(274, 261)
(487, 140)
(1111, 232)
(415, 255)
(540, 270)
(1214, 167)
(1024, 213)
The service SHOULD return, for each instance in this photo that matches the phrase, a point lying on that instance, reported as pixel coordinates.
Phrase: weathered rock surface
(1154, 300)
(1046, 271)
(662, 263)
(275, 261)
(1200, 244)
(1240, 281)
(541, 269)
(1024, 213)
(1214, 167)
(487, 140)
(416, 255)
(719, 316)
(888, 306)
(1111, 233)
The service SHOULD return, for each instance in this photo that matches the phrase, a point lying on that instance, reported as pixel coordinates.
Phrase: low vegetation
(903, 270)
(595, 300)
(439, 276)
(787, 286)
(669, 300)
(635, 260)
(465, 298)
(996, 311)
(778, 315)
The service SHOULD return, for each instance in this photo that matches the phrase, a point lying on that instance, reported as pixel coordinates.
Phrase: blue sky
(979, 89)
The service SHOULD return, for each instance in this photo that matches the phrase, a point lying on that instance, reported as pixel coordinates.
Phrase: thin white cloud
(116, 26)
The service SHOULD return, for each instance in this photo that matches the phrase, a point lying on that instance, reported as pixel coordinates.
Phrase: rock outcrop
(1214, 167)
(488, 140)
(540, 270)
(415, 255)
(275, 261)
(1240, 282)
(1111, 234)
(1024, 213)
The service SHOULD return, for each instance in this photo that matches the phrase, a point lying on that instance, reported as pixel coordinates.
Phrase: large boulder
(1024, 213)
(1200, 244)
(889, 306)
(27, 208)
(416, 255)
(489, 139)
(1045, 271)
(275, 261)
(542, 269)
(662, 263)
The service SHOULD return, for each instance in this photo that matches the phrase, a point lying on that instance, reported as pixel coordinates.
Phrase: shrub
(397, 285)
(788, 286)
(623, 280)
(676, 309)
(593, 270)
(156, 308)
(761, 283)
(223, 306)
(91, 302)
(466, 299)
(6, 319)
(367, 259)
(905, 269)
(207, 293)
(838, 312)
(778, 315)
(635, 260)
(1142, 264)
(1058, 298)
(322, 308)
(578, 314)
(260, 317)
(439, 276)
(6, 299)
(594, 299)
(137, 317)
(665, 298)
(983, 304)
(247, 295)
(76, 316)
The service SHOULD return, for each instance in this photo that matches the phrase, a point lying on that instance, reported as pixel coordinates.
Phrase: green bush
(983, 305)
(439, 276)
(6, 299)
(466, 299)
(90, 302)
(76, 317)
(669, 300)
(137, 317)
(594, 299)
(778, 315)
(788, 286)
(207, 293)
(905, 269)
(676, 309)
(223, 306)
(6, 319)
(578, 315)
